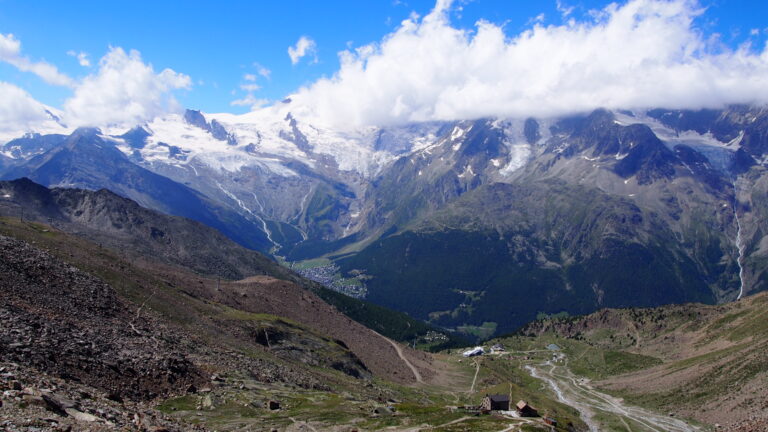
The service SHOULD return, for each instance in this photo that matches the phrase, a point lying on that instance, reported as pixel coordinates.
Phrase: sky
(391, 61)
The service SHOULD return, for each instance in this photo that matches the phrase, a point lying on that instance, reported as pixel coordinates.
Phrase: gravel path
(572, 391)
(407, 362)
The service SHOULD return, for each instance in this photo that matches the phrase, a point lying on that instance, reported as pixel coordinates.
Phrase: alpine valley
(476, 227)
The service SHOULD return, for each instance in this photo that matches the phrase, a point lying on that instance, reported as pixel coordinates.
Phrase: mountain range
(475, 226)
(120, 316)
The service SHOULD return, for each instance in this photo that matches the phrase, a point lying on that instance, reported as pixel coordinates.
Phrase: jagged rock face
(638, 151)
(599, 207)
(217, 130)
(312, 191)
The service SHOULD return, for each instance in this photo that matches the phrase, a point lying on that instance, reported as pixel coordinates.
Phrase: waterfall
(740, 248)
(739, 240)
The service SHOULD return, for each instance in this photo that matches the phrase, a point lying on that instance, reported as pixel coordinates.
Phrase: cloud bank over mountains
(124, 90)
(18, 110)
(644, 53)
(638, 54)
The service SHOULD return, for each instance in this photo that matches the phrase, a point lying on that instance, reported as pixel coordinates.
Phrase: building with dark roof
(495, 403)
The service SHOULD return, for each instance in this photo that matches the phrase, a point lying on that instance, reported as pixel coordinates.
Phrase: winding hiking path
(572, 391)
(407, 362)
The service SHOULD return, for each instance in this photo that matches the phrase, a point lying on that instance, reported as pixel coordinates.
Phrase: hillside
(142, 331)
(703, 362)
(120, 224)
(183, 351)
(266, 338)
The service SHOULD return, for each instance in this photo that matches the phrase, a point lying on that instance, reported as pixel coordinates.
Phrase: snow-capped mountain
(542, 200)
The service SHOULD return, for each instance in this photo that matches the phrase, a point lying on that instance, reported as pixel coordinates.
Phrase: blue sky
(216, 44)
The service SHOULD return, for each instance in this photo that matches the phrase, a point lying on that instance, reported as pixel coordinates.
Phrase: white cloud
(304, 47)
(124, 90)
(10, 52)
(18, 110)
(250, 101)
(261, 70)
(250, 87)
(643, 53)
(82, 58)
(565, 10)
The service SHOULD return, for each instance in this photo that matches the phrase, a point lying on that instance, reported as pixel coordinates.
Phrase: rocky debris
(48, 403)
(755, 424)
(94, 361)
(70, 324)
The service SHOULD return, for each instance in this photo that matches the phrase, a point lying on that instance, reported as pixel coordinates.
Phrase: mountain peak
(85, 132)
(196, 118)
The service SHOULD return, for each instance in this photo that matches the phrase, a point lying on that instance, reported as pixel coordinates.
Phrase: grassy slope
(704, 362)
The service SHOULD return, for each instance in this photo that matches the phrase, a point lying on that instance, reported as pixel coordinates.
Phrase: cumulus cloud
(10, 52)
(304, 47)
(18, 110)
(642, 53)
(124, 90)
(82, 58)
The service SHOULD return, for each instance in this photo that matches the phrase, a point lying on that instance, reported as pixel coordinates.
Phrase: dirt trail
(572, 391)
(407, 362)
(477, 370)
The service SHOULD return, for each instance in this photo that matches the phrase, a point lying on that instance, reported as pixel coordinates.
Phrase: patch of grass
(307, 264)
(755, 325)
(481, 332)
(237, 314)
(183, 403)
(722, 322)
(598, 364)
